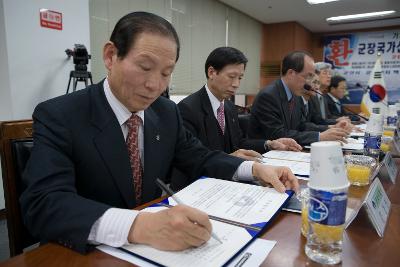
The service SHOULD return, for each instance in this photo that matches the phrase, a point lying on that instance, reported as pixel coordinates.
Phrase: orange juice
(304, 220)
(385, 147)
(358, 174)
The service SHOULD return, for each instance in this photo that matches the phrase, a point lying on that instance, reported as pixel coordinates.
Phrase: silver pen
(164, 187)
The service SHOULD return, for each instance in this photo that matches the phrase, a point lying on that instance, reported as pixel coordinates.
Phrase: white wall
(33, 64)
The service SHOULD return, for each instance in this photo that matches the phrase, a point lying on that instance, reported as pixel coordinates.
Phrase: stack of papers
(238, 212)
(297, 162)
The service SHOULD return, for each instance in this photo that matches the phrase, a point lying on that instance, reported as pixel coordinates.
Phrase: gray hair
(322, 66)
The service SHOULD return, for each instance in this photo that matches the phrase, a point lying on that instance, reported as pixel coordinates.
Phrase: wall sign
(50, 19)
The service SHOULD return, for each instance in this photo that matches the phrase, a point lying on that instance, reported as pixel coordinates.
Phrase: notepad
(238, 213)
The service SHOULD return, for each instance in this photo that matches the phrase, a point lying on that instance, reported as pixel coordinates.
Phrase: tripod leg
(86, 82)
(69, 82)
(75, 84)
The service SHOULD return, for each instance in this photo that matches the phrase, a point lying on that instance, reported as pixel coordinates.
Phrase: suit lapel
(152, 139)
(210, 124)
(229, 123)
(110, 144)
(283, 101)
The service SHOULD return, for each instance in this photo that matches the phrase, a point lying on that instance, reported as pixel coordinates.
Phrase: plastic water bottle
(327, 203)
(391, 119)
(373, 136)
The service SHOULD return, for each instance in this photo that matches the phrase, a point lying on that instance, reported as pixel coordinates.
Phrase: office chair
(15, 147)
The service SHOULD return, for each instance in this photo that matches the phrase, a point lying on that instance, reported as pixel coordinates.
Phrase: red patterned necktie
(221, 117)
(132, 143)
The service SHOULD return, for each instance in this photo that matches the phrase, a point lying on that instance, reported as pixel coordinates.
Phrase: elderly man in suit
(276, 110)
(98, 151)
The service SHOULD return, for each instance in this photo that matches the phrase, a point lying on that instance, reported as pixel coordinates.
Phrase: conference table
(361, 244)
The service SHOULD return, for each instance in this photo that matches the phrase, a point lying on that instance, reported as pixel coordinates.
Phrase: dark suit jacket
(310, 117)
(270, 117)
(79, 166)
(316, 115)
(334, 112)
(199, 119)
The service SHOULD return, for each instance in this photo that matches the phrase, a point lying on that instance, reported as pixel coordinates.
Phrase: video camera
(80, 55)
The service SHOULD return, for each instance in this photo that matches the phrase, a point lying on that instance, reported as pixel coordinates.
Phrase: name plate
(376, 205)
(396, 140)
(390, 166)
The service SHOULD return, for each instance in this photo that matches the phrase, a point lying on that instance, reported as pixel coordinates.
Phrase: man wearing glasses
(277, 109)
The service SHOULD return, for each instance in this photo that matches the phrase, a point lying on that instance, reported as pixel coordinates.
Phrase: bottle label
(327, 208)
(372, 141)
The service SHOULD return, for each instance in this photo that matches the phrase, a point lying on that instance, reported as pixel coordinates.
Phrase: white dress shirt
(113, 227)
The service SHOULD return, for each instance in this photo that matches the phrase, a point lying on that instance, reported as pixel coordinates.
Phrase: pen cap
(327, 169)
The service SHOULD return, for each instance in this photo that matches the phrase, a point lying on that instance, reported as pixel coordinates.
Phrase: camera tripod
(79, 76)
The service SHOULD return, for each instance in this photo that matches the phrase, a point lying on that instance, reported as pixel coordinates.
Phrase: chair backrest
(15, 147)
(244, 121)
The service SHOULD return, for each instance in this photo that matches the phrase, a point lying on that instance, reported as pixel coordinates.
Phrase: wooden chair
(15, 147)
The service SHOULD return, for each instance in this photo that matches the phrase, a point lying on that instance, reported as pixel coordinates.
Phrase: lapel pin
(158, 137)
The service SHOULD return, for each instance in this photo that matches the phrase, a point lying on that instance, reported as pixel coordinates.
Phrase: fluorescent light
(361, 16)
(314, 2)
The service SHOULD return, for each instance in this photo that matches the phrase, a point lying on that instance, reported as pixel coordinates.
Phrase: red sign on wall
(50, 19)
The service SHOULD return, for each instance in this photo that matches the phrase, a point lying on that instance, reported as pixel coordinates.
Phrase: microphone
(308, 87)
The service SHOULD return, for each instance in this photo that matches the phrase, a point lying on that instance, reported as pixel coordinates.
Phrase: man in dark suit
(98, 151)
(336, 92)
(311, 108)
(276, 111)
(224, 68)
(324, 72)
(201, 111)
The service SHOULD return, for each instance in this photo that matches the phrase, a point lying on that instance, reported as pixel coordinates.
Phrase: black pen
(164, 187)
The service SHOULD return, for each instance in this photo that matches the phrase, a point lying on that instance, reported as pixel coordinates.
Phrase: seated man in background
(98, 151)
(337, 90)
(322, 116)
(311, 108)
(210, 116)
(276, 110)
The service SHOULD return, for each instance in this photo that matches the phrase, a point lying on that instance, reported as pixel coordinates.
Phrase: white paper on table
(212, 253)
(362, 126)
(354, 144)
(357, 134)
(258, 250)
(254, 254)
(288, 155)
(244, 203)
(297, 167)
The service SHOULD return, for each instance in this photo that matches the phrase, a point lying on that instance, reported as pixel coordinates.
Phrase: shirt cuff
(113, 227)
(244, 172)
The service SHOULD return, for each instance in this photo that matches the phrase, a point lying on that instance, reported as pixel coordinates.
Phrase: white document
(354, 144)
(253, 255)
(211, 253)
(288, 155)
(297, 167)
(244, 203)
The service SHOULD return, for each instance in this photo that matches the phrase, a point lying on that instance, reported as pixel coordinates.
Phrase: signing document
(238, 213)
(297, 162)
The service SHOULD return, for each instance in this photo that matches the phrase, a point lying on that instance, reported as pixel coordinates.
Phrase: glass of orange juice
(359, 169)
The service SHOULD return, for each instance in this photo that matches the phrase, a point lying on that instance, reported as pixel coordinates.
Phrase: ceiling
(313, 16)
